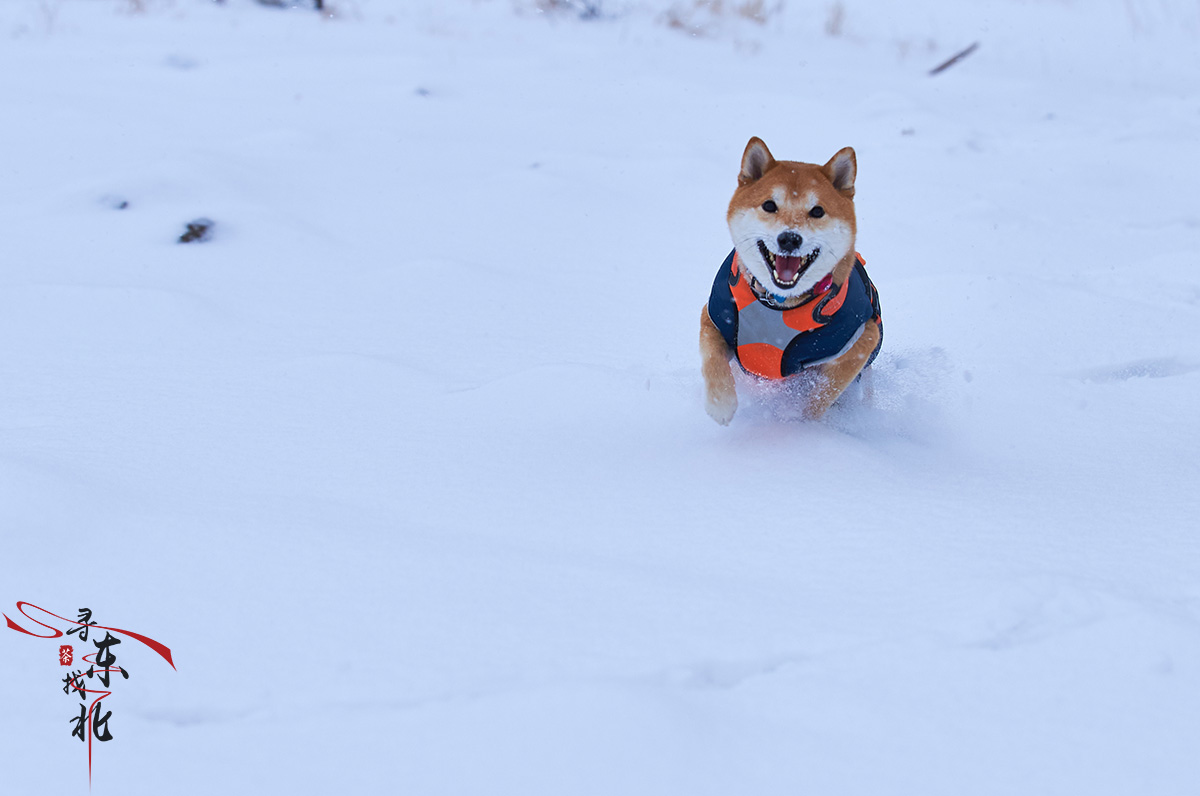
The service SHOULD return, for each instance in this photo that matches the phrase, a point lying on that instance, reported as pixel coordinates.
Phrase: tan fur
(794, 187)
(794, 176)
(720, 395)
(838, 374)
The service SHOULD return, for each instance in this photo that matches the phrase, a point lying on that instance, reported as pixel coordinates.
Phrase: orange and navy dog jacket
(776, 343)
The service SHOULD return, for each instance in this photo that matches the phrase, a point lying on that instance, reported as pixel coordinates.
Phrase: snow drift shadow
(1161, 368)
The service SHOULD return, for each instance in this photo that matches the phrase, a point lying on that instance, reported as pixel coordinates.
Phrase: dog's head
(792, 223)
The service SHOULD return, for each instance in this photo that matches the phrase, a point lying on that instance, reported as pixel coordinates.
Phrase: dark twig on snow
(198, 231)
(955, 59)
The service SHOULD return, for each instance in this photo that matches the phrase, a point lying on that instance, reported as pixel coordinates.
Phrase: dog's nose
(789, 241)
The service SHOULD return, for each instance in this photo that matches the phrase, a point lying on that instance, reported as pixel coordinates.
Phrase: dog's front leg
(837, 375)
(720, 395)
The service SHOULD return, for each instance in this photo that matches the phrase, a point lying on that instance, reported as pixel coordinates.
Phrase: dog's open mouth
(786, 271)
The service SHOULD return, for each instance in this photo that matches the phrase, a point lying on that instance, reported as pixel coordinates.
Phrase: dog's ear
(755, 161)
(841, 169)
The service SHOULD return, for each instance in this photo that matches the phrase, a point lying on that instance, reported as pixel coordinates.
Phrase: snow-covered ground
(409, 466)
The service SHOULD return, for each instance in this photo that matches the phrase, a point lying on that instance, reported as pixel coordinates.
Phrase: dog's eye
(817, 212)
(770, 206)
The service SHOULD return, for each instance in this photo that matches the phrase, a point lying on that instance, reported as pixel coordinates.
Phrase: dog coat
(776, 343)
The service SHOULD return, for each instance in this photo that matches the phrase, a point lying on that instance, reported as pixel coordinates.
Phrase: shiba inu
(793, 296)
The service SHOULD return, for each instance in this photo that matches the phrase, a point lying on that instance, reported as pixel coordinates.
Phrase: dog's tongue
(786, 268)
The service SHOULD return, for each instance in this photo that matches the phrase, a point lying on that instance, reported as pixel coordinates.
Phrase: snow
(409, 464)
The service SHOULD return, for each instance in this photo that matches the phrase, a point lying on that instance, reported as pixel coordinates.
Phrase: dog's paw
(721, 408)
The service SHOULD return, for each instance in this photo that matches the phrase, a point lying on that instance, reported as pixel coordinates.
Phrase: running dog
(793, 296)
